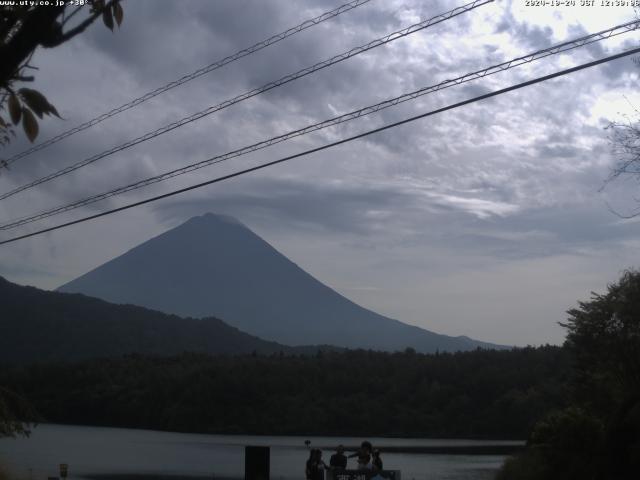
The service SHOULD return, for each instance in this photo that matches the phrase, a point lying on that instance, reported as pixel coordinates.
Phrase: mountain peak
(213, 265)
(211, 221)
(211, 217)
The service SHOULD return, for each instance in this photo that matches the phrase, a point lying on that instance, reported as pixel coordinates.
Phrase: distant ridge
(213, 265)
(41, 326)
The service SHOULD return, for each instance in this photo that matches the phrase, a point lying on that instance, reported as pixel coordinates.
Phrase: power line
(192, 76)
(257, 91)
(537, 55)
(330, 145)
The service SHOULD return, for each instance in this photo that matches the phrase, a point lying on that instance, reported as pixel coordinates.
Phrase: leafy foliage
(14, 409)
(598, 435)
(625, 143)
(24, 28)
(472, 394)
(604, 336)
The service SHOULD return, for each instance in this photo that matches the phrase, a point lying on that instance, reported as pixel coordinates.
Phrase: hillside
(213, 265)
(37, 325)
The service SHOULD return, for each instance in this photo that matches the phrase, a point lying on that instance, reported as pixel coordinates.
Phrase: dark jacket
(315, 470)
(338, 461)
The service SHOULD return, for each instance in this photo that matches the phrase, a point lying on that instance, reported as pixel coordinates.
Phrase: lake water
(116, 453)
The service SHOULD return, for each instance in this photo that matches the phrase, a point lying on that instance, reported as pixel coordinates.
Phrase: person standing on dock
(338, 460)
(377, 461)
(337, 463)
(315, 466)
(309, 466)
(364, 455)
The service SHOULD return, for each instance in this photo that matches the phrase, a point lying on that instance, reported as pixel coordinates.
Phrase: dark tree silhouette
(598, 435)
(625, 144)
(16, 413)
(24, 28)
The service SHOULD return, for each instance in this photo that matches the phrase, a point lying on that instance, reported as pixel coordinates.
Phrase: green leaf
(107, 18)
(15, 110)
(96, 5)
(38, 102)
(118, 13)
(30, 124)
(54, 111)
(35, 101)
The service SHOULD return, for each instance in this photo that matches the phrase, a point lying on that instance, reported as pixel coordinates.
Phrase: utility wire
(257, 91)
(537, 55)
(330, 145)
(191, 76)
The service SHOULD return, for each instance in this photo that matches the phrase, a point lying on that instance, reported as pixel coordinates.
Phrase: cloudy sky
(488, 221)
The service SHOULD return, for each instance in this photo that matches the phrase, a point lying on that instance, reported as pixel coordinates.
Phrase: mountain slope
(213, 265)
(37, 325)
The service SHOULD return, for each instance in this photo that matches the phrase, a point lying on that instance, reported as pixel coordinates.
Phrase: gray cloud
(435, 222)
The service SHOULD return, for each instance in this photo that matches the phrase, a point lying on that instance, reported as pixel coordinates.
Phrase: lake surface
(116, 453)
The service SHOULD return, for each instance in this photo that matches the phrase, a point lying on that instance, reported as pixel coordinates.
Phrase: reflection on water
(96, 453)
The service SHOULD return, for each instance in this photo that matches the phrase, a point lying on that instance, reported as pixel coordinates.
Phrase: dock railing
(363, 475)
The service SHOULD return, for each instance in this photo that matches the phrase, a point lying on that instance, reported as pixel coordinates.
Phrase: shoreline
(500, 440)
(442, 449)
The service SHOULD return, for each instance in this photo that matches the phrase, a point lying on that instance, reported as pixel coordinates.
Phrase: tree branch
(68, 35)
(39, 27)
(35, 27)
(71, 15)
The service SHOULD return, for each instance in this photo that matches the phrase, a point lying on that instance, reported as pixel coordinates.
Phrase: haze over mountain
(213, 265)
(40, 326)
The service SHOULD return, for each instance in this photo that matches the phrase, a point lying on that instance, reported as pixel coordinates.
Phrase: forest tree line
(483, 393)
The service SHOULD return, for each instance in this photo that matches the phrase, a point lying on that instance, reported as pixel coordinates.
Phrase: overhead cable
(252, 93)
(515, 62)
(191, 76)
(330, 145)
